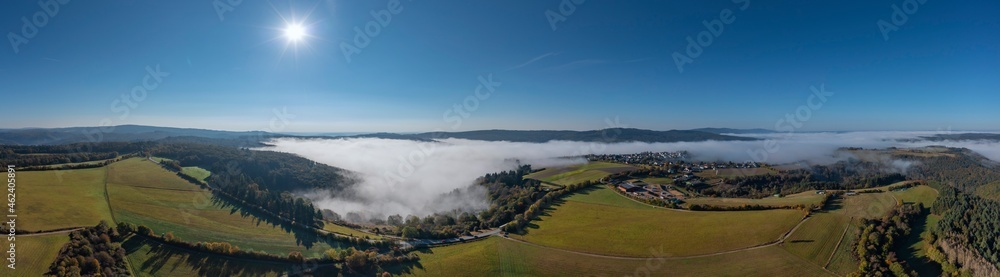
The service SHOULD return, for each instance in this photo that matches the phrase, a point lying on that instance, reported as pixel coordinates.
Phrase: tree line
(93, 251)
(879, 237)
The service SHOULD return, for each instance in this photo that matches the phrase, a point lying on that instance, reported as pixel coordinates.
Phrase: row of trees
(533, 211)
(843, 175)
(94, 251)
(878, 239)
(37, 155)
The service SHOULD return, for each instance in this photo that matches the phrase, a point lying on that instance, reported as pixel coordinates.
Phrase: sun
(294, 32)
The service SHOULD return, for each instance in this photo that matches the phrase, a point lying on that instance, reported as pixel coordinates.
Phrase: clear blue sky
(607, 59)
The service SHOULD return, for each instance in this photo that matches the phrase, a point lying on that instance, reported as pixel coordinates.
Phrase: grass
(629, 229)
(867, 205)
(152, 258)
(817, 238)
(573, 174)
(196, 172)
(55, 199)
(803, 198)
(989, 191)
(344, 230)
(36, 253)
(843, 261)
(142, 192)
(919, 194)
(79, 163)
(501, 257)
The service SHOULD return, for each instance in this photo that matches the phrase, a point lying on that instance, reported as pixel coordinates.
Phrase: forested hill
(133, 133)
(122, 133)
(606, 135)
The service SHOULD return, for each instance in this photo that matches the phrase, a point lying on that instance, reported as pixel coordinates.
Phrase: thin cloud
(529, 62)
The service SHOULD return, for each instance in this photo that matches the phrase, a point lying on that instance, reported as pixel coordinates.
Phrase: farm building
(629, 187)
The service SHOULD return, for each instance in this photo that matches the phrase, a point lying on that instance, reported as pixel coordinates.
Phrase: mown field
(816, 240)
(151, 258)
(578, 173)
(196, 172)
(36, 253)
(344, 230)
(626, 228)
(803, 198)
(56, 199)
(142, 192)
(503, 257)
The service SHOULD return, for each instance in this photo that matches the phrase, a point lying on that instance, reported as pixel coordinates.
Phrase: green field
(36, 253)
(344, 230)
(627, 228)
(152, 258)
(578, 173)
(989, 191)
(502, 257)
(144, 193)
(817, 238)
(55, 199)
(196, 172)
(803, 198)
(919, 194)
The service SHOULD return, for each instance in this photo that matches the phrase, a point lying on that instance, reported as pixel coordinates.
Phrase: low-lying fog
(420, 178)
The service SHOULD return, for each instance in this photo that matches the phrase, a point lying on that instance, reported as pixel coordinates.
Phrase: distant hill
(54, 136)
(606, 135)
(964, 136)
(128, 133)
(734, 131)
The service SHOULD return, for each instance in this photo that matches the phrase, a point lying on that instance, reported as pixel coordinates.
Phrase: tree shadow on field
(164, 259)
(303, 236)
(414, 267)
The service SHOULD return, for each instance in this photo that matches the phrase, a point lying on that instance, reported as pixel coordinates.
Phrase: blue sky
(606, 60)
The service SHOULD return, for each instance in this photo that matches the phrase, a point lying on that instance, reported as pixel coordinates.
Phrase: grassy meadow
(55, 199)
(627, 228)
(35, 253)
(142, 192)
(802, 198)
(503, 257)
(573, 174)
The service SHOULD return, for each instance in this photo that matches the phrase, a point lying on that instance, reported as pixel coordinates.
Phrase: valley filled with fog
(408, 177)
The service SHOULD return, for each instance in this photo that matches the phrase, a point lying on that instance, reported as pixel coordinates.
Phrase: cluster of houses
(646, 158)
(644, 190)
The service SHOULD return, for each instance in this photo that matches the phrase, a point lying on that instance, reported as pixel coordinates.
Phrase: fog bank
(421, 178)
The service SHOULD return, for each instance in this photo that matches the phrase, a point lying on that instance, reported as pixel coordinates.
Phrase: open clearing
(36, 253)
(196, 172)
(142, 192)
(573, 174)
(803, 198)
(502, 257)
(55, 199)
(627, 228)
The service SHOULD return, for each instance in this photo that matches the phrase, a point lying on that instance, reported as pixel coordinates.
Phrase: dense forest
(36, 155)
(878, 238)
(94, 251)
(973, 221)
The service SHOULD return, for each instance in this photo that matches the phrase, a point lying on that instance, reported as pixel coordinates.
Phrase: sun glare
(295, 32)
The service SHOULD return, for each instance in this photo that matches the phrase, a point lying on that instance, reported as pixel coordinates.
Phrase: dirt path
(835, 248)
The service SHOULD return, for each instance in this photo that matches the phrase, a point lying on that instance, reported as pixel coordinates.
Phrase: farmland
(503, 257)
(35, 253)
(804, 198)
(56, 199)
(150, 258)
(628, 229)
(196, 172)
(568, 175)
(142, 192)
